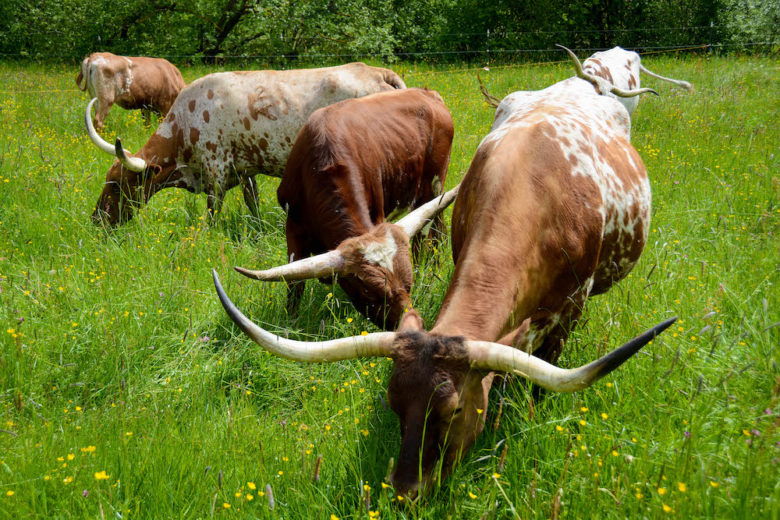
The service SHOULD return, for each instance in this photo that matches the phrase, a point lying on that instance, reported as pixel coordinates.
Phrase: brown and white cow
(224, 129)
(620, 68)
(130, 82)
(554, 207)
(353, 164)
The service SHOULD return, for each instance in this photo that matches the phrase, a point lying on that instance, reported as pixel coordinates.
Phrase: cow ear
(152, 170)
(411, 322)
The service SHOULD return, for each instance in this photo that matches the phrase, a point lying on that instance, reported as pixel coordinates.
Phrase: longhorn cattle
(130, 82)
(621, 68)
(554, 207)
(225, 128)
(354, 163)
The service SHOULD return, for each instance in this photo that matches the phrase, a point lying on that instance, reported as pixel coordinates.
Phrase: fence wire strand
(486, 66)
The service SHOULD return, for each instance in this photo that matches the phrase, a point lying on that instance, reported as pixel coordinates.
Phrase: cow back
(356, 161)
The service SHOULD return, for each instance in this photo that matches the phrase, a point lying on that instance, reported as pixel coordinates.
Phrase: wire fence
(701, 47)
(490, 45)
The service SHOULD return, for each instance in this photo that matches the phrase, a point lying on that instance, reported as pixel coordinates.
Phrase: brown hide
(130, 82)
(355, 162)
(529, 243)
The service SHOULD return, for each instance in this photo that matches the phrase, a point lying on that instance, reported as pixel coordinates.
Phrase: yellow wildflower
(101, 475)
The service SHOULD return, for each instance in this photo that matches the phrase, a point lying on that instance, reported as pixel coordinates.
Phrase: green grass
(116, 357)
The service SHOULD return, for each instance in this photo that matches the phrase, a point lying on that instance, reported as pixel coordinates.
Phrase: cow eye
(457, 410)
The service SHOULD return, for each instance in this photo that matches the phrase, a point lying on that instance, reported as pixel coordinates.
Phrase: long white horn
(494, 356)
(680, 83)
(632, 93)
(134, 164)
(593, 79)
(93, 135)
(377, 344)
(417, 219)
(326, 264)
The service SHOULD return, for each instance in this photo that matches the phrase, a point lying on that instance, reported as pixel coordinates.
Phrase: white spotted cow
(130, 82)
(555, 207)
(224, 129)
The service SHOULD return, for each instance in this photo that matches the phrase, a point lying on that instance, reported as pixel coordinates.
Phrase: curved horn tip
(617, 357)
(246, 272)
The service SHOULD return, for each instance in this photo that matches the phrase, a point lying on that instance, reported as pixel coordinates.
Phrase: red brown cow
(354, 163)
(224, 129)
(130, 82)
(555, 207)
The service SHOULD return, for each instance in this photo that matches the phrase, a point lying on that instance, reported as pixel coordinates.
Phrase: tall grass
(125, 391)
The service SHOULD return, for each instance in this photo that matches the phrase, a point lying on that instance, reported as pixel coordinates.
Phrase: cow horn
(498, 357)
(134, 164)
(680, 83)
(632, 93)
(93, 135)
(593, 79)
(377, 344)
(318, 266)
(417, 219)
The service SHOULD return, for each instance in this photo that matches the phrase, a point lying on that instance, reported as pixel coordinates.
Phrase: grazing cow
(225, 128)
(621, 68)
(354, 163)
(554, 207)
(131, 83)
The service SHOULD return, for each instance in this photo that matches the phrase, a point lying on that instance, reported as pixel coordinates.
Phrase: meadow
(126, 392)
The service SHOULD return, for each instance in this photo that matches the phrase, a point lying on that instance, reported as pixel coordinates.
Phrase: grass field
(126, 392)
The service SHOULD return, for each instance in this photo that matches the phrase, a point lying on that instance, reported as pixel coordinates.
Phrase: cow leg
(249, 185)
(555, 339)
(214, 201)
(146, 116)
(298, 247)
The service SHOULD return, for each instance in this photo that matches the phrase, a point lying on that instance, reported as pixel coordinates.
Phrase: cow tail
(82, 72)
(78, 81)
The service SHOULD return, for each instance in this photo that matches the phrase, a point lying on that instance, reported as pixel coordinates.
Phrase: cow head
(441, 403)
(129, 181)
(439, 384)
(374, 268)
(603, 85)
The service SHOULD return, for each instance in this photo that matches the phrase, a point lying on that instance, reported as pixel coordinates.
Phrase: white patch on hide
(381, 253)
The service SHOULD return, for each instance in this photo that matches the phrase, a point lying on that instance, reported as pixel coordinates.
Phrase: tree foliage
(284, 30)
